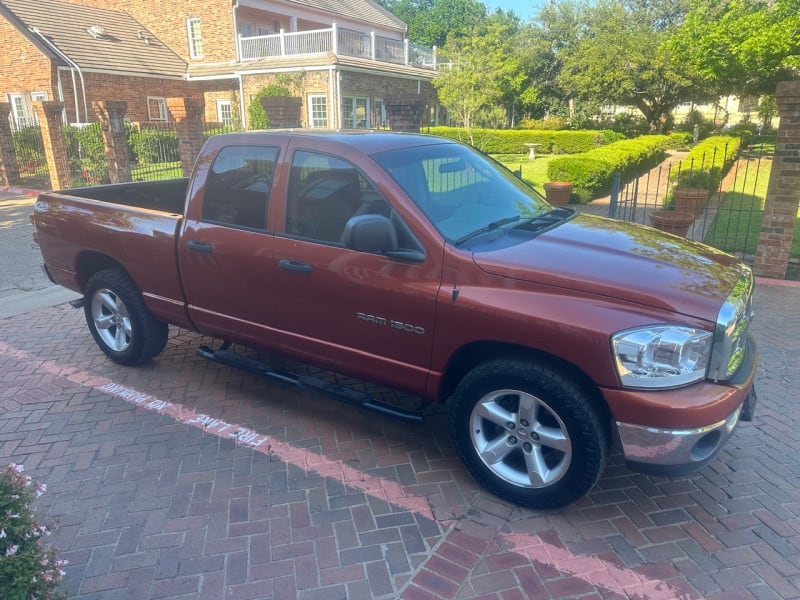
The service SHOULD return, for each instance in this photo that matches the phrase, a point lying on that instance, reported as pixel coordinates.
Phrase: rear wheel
(528, 433)
(120, 322)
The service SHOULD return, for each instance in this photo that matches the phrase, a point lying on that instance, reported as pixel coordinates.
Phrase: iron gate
(728, 218)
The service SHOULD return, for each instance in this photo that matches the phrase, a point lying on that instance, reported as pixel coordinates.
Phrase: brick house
(57, 51)
(342, 60)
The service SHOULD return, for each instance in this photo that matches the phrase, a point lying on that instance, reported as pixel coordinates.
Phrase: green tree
(741, 46)
(430, 22)
(624, 57)
(542, 47)
(482, 75)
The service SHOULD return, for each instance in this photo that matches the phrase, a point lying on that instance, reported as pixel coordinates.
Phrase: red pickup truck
(418, 263)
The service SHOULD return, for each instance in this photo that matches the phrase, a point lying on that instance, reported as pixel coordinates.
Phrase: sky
(523, 8)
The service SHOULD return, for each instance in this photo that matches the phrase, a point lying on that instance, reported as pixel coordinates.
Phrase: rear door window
(238, 186)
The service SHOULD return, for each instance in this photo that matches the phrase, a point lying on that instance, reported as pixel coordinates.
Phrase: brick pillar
(783, 192)
(55, 145)
(188, 116)
(404, 112)
(111, 114)
(9, 170)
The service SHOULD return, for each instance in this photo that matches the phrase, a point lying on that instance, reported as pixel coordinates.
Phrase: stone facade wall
(301, 84)
(376, 86)
(219, 90)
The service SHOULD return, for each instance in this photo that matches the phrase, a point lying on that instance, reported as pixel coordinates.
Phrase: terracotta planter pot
(692, 200)
(672, 221)
(558, 192)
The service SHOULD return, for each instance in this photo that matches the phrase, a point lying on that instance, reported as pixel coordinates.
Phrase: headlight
(661, 356)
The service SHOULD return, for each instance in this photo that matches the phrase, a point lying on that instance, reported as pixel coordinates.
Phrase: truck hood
(621, 260)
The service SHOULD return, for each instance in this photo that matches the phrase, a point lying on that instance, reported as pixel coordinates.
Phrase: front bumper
(681, 450)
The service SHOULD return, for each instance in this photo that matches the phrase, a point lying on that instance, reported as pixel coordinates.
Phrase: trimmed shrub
(28, 143)
(592, 172)
(152, 146)
(707, 163)
(86, 153)
(512, 141)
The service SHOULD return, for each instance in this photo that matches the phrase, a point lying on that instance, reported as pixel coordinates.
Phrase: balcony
(340, 42)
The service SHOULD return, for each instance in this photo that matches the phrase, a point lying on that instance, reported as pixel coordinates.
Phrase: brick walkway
(153, 498)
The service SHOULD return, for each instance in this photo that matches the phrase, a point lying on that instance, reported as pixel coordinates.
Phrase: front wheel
(120, 322)
(528, 433)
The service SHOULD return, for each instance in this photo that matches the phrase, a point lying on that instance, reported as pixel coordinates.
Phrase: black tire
(120, 322)
(528, 433)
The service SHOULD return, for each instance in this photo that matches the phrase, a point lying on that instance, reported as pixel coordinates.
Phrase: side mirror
(370, 233)
(376, 234)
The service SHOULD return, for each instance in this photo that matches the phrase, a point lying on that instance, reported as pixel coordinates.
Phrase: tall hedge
(707, 163)
(592, 172)
(152, 146)
(512, 141)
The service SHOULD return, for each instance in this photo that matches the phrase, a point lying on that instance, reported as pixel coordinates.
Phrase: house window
(156, 108)
(38, 96)
(195, 37)
(318, 111)
(246, 29)
(18, 110)
(224, 113)
(355, 112)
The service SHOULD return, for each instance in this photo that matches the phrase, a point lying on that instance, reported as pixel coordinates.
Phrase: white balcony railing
(338, 41)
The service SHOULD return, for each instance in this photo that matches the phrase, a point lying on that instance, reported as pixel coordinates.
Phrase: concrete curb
(20, 190)
(17, 304)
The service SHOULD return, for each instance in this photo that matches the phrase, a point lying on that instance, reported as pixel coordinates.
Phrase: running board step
(347, 395)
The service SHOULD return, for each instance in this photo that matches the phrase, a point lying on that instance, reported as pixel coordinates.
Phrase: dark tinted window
(238, 186)
(324, 193)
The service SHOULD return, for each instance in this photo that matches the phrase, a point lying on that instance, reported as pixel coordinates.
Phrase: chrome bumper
(678, 451)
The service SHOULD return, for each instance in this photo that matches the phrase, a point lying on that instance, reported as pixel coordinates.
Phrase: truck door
(343, 307)
(225, 250)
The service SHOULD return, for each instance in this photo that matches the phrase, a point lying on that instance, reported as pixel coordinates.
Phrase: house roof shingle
(122, 48)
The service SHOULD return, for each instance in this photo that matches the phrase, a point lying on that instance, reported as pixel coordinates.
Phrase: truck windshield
(462, 192)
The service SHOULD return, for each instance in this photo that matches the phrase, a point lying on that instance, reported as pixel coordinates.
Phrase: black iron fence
(29, 149)
(153, 151)
(726, 215)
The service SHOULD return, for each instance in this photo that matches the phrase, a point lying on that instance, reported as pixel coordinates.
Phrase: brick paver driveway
(188, 479)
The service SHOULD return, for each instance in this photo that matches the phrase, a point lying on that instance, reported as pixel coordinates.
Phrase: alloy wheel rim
(111, 320)
(520, 439)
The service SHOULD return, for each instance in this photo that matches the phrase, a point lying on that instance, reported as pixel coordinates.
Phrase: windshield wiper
(546, 219)
(490, 227)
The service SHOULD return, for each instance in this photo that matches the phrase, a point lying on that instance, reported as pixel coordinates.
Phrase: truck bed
(167, 195)
(131, 225)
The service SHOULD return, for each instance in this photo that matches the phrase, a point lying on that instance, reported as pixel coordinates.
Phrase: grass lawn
(738, 221)
(156, 171)
(533, 171)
